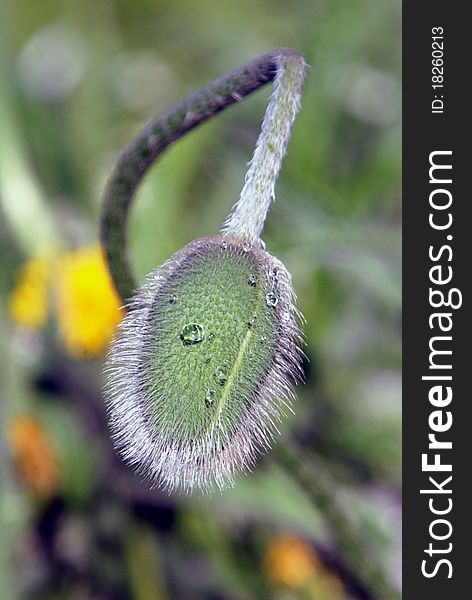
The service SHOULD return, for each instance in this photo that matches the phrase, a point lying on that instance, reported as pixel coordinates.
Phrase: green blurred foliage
(77, 80)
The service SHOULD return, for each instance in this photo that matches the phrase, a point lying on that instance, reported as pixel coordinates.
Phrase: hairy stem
(156, 136)
(247, 219)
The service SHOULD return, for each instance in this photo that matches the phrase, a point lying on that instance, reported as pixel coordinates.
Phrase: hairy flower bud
(203, 364)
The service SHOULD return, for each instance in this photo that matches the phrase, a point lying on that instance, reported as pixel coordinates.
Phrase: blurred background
(77, 81)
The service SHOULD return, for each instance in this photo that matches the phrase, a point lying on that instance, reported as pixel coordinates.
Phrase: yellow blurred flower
(34, 454)
(28, 302)
(292, 563)
(88, 308)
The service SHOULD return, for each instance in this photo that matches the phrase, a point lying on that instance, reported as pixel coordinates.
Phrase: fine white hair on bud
(203, 365)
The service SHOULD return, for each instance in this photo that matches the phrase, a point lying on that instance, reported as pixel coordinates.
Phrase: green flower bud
(202, 368)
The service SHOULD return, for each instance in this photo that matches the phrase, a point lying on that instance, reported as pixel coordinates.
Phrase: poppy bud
(202, 367)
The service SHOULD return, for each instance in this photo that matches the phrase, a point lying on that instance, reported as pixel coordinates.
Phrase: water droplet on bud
(252, 280)
(209, 397)
(271, 299)
(193, 333)
(220, 375)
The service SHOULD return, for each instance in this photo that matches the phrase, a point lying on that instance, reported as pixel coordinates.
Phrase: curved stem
(156, 136)
(133, 164)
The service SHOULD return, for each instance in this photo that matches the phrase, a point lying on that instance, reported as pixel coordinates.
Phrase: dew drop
(209, 397)
(220, 375)
(252, 321)
(193, 333)
(271, 299)
(211, 337)
(224, 244)
(252, 280)
(246, 246)
(262, 339)
(173, 299)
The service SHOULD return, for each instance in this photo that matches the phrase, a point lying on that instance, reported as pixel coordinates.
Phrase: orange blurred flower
(34, 455)
(290, 562)
(88, 308)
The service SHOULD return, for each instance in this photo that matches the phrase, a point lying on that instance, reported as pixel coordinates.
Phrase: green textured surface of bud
(203, 366)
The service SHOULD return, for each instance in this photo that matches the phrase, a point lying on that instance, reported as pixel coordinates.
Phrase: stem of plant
(249, 214)
(156, 137)
(286, 67)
